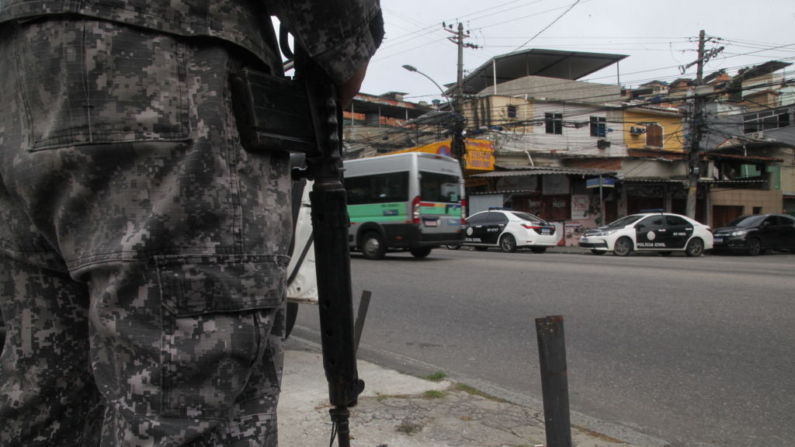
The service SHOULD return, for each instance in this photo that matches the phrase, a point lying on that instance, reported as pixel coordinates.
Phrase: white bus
(411, 201)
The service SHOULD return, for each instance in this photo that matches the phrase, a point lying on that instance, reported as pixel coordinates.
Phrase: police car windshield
(528, 217)
(624, 221)
(746, 221)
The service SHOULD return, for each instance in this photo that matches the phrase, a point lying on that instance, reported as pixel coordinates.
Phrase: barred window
(512, 111)
(598, 126)
(765, 120)
(554, 123)
(654, 136)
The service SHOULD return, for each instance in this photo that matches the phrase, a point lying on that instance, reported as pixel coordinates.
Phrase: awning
(727, 182)
(652, 180)
(505, 191)
(719, 156)
(528, 171)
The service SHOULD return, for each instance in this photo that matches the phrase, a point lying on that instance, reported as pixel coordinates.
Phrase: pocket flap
(193, 285)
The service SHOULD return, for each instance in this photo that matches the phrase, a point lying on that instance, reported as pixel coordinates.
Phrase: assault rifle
(304, 115)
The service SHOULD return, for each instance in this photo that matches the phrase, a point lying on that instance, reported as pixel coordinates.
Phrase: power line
(548, 26)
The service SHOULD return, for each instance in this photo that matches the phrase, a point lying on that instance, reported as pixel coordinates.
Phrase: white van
(410, 201)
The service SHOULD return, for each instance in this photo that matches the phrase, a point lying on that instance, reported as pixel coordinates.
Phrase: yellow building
(648, 128)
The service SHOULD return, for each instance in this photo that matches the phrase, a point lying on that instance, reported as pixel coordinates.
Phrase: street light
(413, 69)
(458, 146)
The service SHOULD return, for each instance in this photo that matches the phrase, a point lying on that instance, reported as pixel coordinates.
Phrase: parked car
(756, 233)
(509, 230)
(664, 233)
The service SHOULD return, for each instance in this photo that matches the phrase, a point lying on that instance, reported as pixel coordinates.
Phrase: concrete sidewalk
(398, 410)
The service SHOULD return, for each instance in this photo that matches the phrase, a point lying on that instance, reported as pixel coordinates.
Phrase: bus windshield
(436, 187)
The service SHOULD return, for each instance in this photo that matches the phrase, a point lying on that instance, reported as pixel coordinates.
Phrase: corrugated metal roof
(703, 180)
(528, 171)
(537, 62)
(743, 157)
(651, 180)
(505, 191)
(731, 181)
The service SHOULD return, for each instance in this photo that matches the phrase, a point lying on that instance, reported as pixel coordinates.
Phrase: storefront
(558, 195)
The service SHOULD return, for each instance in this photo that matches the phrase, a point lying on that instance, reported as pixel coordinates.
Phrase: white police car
(660, 232)
(509, 230)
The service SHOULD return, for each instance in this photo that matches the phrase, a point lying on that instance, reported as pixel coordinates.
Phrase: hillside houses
(556, 138)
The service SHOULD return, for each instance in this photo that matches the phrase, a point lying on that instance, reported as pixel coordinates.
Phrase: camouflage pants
(142, 251)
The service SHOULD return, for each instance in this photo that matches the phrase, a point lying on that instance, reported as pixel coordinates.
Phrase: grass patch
(434, 394)
(476, 392)
(409, 428)
(436, 377)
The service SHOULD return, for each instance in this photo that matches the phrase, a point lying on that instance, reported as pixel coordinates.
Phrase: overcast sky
(658, 37)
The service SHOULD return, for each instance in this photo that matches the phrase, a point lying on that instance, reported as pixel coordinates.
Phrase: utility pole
(697, 123)
(695, 134)
(458, 146)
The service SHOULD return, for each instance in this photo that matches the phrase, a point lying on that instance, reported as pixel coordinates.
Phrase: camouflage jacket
(341, 35)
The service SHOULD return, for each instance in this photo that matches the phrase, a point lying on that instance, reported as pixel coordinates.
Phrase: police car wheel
(508, 243)
(453, 246)
(695, 247)
(623, 247)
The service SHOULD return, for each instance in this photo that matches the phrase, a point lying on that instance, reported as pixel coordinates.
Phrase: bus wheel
(420, 252)
(373, 246)
(292, 314)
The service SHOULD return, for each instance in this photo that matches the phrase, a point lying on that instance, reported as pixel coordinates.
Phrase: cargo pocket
(111, 84)
(212, 328)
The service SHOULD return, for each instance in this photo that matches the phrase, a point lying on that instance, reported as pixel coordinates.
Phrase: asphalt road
(669, 351)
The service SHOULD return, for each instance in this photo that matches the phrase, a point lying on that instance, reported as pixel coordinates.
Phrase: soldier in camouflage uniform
(142, 250)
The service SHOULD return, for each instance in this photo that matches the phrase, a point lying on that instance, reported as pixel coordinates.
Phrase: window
(651, 223)
(769, 119)
(675, 221)
(496, 219)
(381, 188)
(654, 135)
(554, 123)
(771, 221)
(436, 187)
(478, 219)
(598, 126)
(529, 217)
(512, 111)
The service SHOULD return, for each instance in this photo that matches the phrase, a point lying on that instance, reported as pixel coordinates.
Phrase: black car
(756, 233)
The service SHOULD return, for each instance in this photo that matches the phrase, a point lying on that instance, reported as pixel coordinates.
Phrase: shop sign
(607, 182)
